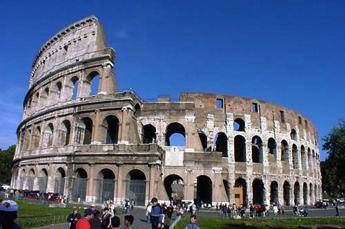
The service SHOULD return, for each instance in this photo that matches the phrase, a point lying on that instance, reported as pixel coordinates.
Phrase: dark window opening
(111, 123)
(239, 124)
(220, 103)
(299, 120)
(272, 146)
(87, 130)
(293, 134)
(149, 134)
(282, 116)
(255, 107)
(222, 144)
(295, 156)
(257, 156)
(258, 191)
(203, 140)
(284, 151)
(240, 149)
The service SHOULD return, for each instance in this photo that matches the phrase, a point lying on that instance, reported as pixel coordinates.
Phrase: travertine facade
(83, 138)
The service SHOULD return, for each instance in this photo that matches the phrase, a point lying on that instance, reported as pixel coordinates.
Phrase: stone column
(90, 193)
(189, 186)
(50, 179)
(152, 190)
(97, 133)
(107, 79)
(120, 191)
(124, 136)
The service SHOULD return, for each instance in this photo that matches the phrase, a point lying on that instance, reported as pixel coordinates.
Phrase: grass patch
(217, 222)
(32, 214)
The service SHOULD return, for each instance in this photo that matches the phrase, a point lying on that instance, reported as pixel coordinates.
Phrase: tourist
(95, 222)
(84, 223)
(8, 214)
(148, 212)
(73, 218)
(156, 214)
(115, 222)
(106, 218)
(129, 221)
(252, 211)
(192, 224)
(337, 210)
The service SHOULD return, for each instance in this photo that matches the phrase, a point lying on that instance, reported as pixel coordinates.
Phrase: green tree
(6, 157)
(333, 168)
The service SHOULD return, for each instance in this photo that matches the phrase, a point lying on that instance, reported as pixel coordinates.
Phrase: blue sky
(287, 52)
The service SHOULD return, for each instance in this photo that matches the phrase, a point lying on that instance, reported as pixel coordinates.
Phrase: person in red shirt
(84, 222)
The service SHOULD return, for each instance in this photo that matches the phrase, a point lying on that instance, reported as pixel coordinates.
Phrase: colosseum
(84, 139)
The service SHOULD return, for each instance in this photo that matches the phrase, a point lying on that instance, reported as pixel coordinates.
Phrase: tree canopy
(6, 157)
(333, 168)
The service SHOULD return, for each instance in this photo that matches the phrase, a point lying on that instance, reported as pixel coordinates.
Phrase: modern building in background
(83, 138)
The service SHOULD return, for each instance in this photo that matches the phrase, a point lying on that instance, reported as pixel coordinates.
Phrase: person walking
(73, 218)
(106, 218)
(84, 223)
(337, 210)
(156, 214)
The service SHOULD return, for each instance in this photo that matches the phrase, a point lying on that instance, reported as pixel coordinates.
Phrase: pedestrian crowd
(253, 210)
(95, 219)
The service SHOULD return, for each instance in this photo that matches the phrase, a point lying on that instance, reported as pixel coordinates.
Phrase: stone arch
(43, 180)
(295, 156)
(293, 134)
(136, 187)
(65, 133)
(305, 193)
(105, 185)
(48, 136)
(257, 154)
(22, 177)
(45, 96)
(240, 148)
(174, 187)
(36, 137)
(222, 143)
(203, 140)
(239, 125)
(58, 90)
(85, 131)
(311, 193)
(286, 193)
(272, 146)
(149, 134)
(93, 83)
(240, 192)
(79, 185)
(59, 184)
(31, 178)
(296, 192)
(204, 189)
(284, 151)
(75, 87)
(303, 158)
(258, 191)
(111, 128)
(309, 160)
(274, 192)
(175, 134)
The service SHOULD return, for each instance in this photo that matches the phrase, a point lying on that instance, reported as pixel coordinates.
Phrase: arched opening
(309, 160)
(79, 185)
(272, 146)
(46, 96)
(258, 191)
(65, 132)
(136, 187)
(274, 193)
(257, 156)
(204, 190)
(284, 151)
(36, 137)
(239, 124)
(58, 89)
(48, 136)
(286, 193)
(74, 82)
(59, 185)
(31, 179)
(149, 134)
(93, 80)
(106, 185)
(174, 186)
(311, 194)
(303, 158)
(42, 181)
(240, 192)
(295, 156)
(296, 192)
(87, 130)
(222, 144)
(240, 148)
(111, 125)
(305, 193)
(22, 179)
(175, 135)
(203, 140)
(293, 134)
(315, 193)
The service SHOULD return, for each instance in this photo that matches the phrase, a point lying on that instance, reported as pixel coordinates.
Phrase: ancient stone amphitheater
(83, 138)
